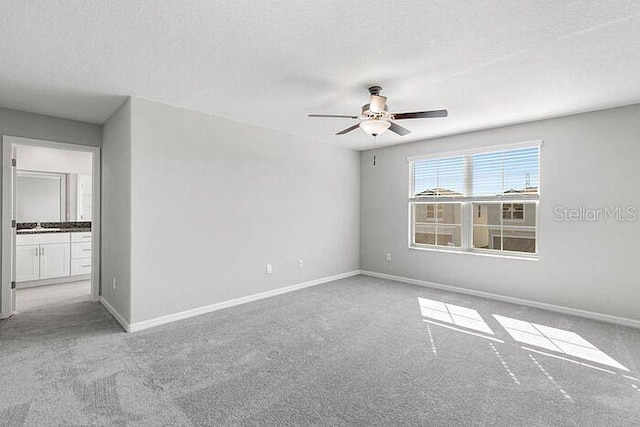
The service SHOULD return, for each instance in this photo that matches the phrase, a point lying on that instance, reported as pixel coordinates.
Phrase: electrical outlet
(300, 263)
(269, 269)
(113, 284)
(388, 257)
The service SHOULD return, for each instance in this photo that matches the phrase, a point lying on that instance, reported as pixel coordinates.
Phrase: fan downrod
(375, 90)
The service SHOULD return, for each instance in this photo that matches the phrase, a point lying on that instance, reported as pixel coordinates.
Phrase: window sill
(475, 252)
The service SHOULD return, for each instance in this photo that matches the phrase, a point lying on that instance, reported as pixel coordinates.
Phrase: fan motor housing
(366, 110)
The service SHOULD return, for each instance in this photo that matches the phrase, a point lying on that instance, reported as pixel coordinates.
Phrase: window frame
(467, 204)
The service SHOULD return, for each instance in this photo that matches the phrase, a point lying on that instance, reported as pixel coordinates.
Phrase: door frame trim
(7, 299)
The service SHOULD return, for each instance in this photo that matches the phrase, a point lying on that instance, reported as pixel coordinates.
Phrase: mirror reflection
(52, 185)
(52, 197)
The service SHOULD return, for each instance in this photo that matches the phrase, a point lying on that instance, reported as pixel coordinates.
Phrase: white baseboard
(529, 303)
(116, 314)
(145, 324)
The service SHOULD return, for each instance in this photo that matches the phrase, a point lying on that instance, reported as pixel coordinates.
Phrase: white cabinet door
(54, 260)
(27, 263)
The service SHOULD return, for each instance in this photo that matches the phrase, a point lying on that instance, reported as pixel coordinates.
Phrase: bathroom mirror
(52, 197)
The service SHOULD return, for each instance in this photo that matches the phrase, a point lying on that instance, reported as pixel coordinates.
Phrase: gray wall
(36, 126)
(214, 201)
(116, 211)
(587, 160)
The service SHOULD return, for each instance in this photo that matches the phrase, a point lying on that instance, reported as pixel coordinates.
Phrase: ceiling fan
(375, 117)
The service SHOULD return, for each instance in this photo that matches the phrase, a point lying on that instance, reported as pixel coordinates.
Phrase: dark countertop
(52, 230)
(53, 227)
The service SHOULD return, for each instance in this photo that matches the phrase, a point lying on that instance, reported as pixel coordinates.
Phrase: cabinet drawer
(80, 266)
(80, 250)
(42, 238)
(81, 237)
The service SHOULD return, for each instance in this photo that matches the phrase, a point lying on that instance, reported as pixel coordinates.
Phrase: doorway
(50, 224)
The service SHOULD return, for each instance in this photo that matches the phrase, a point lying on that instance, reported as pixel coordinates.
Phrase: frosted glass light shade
(375, 127)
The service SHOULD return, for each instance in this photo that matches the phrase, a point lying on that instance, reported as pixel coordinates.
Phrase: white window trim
(466, 202)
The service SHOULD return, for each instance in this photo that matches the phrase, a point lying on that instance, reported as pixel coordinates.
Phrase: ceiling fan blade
(349, 129)
(421, 115)
(396, 128)
(335, 116)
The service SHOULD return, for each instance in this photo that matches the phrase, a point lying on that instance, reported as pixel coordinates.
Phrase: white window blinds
(510, 173)
(438, 177)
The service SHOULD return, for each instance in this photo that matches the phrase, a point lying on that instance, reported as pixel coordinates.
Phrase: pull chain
(374, 150)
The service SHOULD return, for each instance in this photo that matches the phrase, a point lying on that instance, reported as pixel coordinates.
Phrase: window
(513, 211)
(434, 212)
(438, 177)
(494, 229)
(482, 201)
(443, 230)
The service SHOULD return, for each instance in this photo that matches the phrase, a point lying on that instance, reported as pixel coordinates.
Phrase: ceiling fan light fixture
(375, 127)
(375, 117)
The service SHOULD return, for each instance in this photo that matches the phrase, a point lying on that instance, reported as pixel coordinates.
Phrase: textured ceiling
(269, 63)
